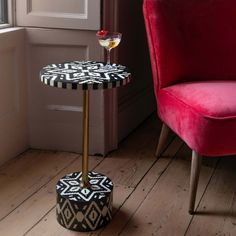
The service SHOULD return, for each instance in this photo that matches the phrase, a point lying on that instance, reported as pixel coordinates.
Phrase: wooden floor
(150, 196)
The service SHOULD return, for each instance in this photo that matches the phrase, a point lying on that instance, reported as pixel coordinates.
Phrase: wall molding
(89, 19)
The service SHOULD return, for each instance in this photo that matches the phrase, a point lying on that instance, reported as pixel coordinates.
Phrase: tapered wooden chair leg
(162, 139)
(194, 177)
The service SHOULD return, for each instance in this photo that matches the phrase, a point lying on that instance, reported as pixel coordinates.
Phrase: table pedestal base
(84, 209)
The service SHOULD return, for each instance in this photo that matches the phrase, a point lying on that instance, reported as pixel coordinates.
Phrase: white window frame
(10, 15)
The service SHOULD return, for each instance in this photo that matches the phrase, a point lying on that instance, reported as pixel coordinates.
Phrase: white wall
(62, 130)
(13, 94)
(76, 40)
(114, 113)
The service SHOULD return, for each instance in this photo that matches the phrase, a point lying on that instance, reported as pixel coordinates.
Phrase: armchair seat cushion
(203, 114)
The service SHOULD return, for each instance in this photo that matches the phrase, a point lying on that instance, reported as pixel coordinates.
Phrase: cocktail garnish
(102, 33)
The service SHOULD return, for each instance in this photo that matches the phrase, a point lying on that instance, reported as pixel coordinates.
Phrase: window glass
(3, 12)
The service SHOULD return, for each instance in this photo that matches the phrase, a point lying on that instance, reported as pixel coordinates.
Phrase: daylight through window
(3, 12)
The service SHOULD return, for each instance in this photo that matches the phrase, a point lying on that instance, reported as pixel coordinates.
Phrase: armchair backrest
(191, 40)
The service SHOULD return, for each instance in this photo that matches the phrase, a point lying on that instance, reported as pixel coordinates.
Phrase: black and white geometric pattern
(84, 209)
(84, 75)
(69, 186)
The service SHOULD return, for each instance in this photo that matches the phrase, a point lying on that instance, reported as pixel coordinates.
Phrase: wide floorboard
(150, 195)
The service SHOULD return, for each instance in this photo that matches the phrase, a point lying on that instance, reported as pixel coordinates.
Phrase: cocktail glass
(108, 40)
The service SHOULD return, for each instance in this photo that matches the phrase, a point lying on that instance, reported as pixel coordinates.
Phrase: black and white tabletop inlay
(84, 75)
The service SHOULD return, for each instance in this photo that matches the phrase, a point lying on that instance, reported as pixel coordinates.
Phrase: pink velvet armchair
(193, 55)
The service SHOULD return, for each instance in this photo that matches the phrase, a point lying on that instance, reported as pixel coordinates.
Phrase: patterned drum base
(84, 209)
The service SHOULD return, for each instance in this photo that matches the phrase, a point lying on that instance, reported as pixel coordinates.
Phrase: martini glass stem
(109, 57)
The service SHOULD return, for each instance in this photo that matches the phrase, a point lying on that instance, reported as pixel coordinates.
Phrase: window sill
(4, 26)
(9, 29)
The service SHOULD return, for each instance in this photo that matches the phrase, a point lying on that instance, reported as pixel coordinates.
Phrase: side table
(84, 199)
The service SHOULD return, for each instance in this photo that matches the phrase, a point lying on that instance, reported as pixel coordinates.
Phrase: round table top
(84, 75)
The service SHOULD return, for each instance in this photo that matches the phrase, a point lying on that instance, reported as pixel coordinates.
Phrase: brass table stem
(85, 181)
